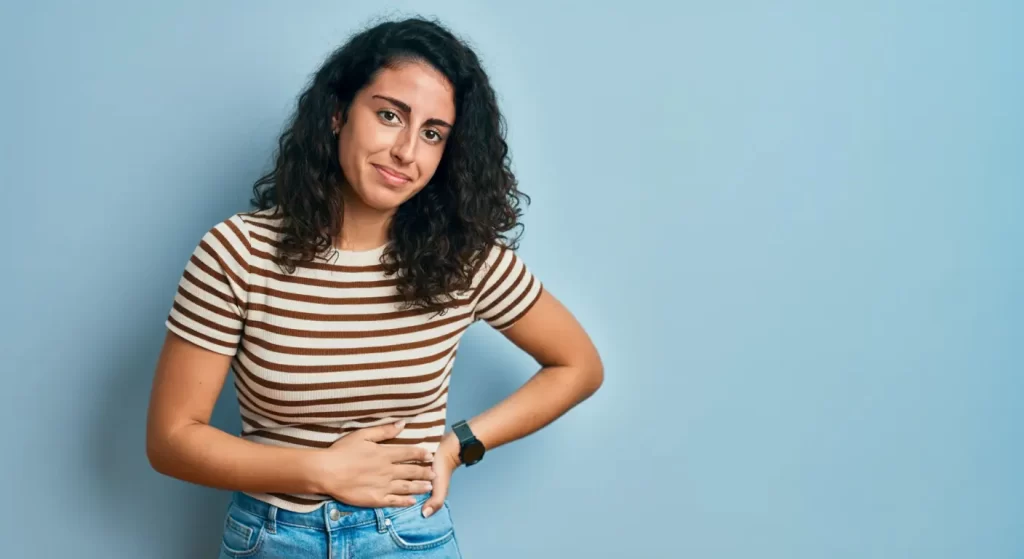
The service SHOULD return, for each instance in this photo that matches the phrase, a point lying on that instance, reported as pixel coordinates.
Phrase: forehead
(427, 92)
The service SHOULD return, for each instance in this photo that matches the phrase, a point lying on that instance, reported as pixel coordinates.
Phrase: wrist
(450, 447)
(312, 469)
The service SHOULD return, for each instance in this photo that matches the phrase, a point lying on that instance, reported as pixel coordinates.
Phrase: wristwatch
(471, 450)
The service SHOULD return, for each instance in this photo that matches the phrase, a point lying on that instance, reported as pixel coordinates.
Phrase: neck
(362, 227)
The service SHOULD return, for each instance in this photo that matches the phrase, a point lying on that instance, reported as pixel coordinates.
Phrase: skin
(400, 121)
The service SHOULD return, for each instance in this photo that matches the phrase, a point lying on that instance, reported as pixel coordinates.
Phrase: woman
(378, 238)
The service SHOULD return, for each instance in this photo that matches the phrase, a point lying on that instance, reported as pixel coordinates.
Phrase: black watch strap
(463, 432)
(471, 450)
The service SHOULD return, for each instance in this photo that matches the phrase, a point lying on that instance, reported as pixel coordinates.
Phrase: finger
(440, 493)
(398, 501)
(405, 487)
(382, 432)
(408, 453)
(410, 472)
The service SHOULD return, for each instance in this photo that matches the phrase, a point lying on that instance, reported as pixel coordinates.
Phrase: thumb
(440, 487)
(383, 432)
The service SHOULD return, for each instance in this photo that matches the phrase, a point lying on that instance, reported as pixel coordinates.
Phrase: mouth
(391, 176)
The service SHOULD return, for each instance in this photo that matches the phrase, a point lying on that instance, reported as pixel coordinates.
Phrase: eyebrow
(405, 107)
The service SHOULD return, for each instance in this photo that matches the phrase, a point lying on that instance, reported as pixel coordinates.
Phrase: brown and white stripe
(330, 349)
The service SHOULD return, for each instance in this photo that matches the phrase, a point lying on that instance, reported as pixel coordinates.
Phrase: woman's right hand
(357, 470)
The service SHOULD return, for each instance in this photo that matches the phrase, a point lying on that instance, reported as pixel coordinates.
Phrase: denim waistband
(333, 515)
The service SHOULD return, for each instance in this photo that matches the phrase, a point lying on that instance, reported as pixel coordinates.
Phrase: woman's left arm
(571, 372)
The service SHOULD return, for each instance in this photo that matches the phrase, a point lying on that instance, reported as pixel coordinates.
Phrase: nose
(404, 149)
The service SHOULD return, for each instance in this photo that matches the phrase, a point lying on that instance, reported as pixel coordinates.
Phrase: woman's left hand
(446, 460)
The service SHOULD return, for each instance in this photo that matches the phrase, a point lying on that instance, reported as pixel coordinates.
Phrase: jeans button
(335, 514)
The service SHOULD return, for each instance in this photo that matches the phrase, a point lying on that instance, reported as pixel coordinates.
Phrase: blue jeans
(259, 530)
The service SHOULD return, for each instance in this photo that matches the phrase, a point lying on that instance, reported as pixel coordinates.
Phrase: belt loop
(381, 521)
(272, 519)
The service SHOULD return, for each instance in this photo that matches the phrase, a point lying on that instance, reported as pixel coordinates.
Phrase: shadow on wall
(156, 516)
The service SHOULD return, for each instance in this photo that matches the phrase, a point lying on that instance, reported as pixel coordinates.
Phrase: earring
(335, 133)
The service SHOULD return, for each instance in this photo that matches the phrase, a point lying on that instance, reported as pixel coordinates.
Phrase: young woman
(378, 238)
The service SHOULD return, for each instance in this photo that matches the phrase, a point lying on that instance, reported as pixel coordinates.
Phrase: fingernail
(427, 511)
(401, 424)
(430, 457)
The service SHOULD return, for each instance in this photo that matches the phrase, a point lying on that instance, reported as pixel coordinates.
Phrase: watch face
(472, 452)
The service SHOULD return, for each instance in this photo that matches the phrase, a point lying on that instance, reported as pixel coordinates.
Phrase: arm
(180, 442)
(571, 372)
(206, 324)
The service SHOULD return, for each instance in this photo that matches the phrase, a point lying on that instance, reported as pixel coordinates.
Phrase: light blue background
(793, 230)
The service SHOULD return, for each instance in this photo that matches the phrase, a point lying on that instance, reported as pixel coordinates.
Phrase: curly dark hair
(439, 236)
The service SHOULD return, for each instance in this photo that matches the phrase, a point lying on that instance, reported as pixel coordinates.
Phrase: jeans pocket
(243, 533)
(409, 530)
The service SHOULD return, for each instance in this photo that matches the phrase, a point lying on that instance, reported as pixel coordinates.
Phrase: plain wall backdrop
(792, 228)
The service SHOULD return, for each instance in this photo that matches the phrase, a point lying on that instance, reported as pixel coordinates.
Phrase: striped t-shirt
(330, 349)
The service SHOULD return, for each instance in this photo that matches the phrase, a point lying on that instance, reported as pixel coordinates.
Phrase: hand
(446, 460)
(358, 471)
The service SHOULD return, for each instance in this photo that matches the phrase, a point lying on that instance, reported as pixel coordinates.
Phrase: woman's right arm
(180, 442)
(205, 326)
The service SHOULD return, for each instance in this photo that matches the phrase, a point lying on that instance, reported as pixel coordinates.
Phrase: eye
(433, 136)
(388, 116)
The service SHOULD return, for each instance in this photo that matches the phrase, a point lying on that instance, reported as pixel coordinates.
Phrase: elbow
(593, 375)
(166, 447)
(155, 453)
(597, 378)
(160, 451)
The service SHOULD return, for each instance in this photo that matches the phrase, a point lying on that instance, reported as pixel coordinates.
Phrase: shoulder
(259, 227)
(496, 257)
(234, 227)
(506, 288)
(485, 260)
(500, 265)
(229, 241)
(267, 224)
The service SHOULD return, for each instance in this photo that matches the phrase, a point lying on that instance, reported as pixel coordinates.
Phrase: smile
(391, 177)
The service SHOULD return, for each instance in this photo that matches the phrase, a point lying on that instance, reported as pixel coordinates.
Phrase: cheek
(427, 166)
(347, 160)
(358, 139)
(430, 162)
(346, 146)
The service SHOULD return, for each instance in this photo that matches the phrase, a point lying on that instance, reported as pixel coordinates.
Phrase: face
(395, 135)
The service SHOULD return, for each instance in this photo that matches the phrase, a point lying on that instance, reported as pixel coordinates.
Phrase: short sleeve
(210, 304)
(507, 289)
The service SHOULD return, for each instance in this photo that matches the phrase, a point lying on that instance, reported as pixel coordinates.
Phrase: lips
(391, 176)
